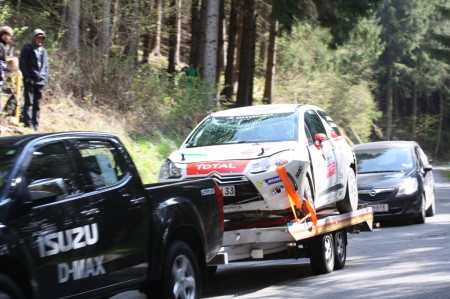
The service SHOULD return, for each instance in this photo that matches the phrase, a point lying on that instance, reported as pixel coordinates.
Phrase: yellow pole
(18, 93)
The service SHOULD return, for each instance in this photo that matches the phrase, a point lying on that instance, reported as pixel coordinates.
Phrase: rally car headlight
(408, 187)
(169, 170)
(279, 159)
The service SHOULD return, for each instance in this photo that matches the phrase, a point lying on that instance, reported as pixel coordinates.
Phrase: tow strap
(294, 198)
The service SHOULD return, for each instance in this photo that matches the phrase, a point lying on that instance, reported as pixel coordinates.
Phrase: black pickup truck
(77, 222)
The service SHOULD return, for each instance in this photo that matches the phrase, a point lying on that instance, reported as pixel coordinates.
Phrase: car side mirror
(319, 138)
(46, 190)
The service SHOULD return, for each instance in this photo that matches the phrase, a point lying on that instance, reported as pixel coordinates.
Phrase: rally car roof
(258, 109)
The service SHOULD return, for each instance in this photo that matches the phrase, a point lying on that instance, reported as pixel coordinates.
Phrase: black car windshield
(384, 159)
(7, 156)
(245, 129)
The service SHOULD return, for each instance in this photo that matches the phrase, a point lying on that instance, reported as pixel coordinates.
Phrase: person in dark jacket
(33, 63)
(6, 34)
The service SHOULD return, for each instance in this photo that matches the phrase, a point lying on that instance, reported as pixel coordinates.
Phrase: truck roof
(20, 139)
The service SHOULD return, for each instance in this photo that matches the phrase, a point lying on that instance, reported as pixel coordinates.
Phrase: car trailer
(322, 239)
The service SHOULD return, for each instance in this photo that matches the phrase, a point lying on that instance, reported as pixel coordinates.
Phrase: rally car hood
(244, 151)
(381, 180)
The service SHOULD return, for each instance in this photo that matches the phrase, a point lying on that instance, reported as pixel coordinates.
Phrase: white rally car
(242, 148)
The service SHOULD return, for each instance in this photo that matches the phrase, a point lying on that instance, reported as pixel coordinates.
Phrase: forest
(380, 68)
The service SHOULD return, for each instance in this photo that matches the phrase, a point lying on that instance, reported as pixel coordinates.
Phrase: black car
(395, 178)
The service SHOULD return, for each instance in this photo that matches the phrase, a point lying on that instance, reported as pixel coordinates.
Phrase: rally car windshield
(245, 129)
(384, 160)
(7, 156)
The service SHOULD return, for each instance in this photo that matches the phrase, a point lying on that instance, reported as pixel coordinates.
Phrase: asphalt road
(397, 260)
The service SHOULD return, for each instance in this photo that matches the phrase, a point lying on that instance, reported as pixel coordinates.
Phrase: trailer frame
(324, 241)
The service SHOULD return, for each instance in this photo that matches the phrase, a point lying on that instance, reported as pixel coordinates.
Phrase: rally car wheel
(350, 201)
(307, 195)
(340, 249)
(322, 252)
(181, 274)
(9, 289)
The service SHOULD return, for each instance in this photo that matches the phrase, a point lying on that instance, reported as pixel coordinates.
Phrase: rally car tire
(350, 201)
(9, 289)
(340, 249)
(322, 254)
(181, 276)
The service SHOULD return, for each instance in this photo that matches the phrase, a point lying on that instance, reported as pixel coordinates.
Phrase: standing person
(6, 34)
(33, 62)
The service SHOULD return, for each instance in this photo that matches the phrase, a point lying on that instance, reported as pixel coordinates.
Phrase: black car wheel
(420, 218)
(431, 209)
(340, 249)
(322, 254)
(9, 289)
(181, 275)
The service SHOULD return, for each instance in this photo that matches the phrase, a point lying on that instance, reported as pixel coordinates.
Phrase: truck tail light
(219, 195)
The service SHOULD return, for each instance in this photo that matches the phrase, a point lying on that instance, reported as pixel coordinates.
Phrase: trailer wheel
(9, 289)
(340, 249)
(181, 274)
(322, 254)
(350, 201)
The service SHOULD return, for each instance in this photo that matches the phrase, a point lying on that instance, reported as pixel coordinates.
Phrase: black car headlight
(409, 186)
(169, 170)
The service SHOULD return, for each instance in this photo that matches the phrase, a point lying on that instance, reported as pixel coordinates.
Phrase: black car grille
(370, 195)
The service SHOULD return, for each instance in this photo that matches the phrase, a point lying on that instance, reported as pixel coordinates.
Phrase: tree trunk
(271, 62)
(171, 24)
(211, 41)
(437, 149)
(73, 24)
(195, 32)
(134, 37)
(231, 50)
(147, 37)
(221, 34)
(106, 28)
(414, 109)
(156, 42)
(116, 20)
(201, 39)
(178, 43)
(247, 59)
(389, 104)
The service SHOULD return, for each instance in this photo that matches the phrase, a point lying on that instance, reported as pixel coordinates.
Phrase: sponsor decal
(80, 269)
(236, 166)
(70, 239)
(273, 180)
(208, 191)
(331, 169)
(259, 183)
(299, 171)
(293, 181)
(254, 151)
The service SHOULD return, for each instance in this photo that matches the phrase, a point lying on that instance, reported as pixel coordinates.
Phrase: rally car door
(323, 159)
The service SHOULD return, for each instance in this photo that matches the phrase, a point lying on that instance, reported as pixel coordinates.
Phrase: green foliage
(166, 104)
(4, 11)
(312, 73)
